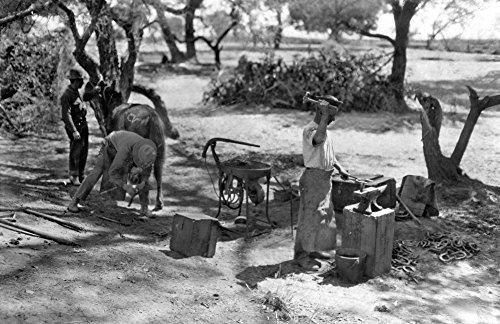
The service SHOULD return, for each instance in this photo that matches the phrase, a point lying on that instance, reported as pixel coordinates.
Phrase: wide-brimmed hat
(74, 74)
(144, 153)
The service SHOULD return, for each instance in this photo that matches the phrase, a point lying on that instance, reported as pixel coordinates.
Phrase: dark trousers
(78, 151)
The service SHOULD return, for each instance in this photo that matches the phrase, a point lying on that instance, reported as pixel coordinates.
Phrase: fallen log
(44, 235)
(54, 219)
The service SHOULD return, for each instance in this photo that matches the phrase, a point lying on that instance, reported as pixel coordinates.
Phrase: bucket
(350, 264)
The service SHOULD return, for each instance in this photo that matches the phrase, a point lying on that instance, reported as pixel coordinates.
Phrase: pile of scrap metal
(404, 261)
(449, 246)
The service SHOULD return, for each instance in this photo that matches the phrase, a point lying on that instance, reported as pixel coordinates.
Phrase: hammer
(368, 198)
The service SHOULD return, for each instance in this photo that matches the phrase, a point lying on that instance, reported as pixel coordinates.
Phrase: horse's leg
(158, 177)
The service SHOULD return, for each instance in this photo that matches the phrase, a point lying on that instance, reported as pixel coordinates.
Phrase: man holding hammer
(123, 154)
(316, 229)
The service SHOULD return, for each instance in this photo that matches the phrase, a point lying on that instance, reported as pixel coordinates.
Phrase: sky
(484, 24)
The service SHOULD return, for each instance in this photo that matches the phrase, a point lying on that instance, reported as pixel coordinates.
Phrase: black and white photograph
(250, 161)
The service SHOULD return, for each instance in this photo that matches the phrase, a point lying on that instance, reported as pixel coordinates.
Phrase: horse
(145, 121)
(138, 118)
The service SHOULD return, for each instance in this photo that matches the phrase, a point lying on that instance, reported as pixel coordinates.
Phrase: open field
(127, 273)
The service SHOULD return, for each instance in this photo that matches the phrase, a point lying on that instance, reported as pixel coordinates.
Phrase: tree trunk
(398, 71)
(159, 105)
(192, 6)
(132, 25)
(279, 30)
(439, 167)
(176, 55)
(476, 108)
(217, 57)
(109, 65)
(189, 31)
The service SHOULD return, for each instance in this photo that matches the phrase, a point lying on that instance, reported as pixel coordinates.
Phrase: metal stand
(268, 178)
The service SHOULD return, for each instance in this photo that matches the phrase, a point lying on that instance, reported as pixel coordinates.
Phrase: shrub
(356, 80)
(29, 67)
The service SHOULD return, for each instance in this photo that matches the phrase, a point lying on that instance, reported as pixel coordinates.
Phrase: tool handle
(307, 99)
(213, 141)
(108, 190)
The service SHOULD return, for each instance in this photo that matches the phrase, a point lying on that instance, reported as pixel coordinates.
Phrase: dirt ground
(126, 273)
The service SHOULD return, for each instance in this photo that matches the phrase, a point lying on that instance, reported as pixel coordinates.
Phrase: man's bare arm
(320, 135)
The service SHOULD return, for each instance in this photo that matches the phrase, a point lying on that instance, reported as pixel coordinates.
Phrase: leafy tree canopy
(335, 16)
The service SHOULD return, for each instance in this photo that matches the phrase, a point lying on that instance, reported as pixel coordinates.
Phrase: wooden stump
(373, 234)
(194, 234)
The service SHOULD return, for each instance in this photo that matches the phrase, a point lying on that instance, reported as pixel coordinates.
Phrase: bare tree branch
(71, 21)
(476, 107)
(90, 29)
(149, 24)
(81, 41)
(483, 103)
(381, 36)
(33, 8)
(225, 32)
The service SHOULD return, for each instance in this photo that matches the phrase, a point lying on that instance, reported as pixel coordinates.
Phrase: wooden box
(343, 190)
(194, 234)
(372, 234)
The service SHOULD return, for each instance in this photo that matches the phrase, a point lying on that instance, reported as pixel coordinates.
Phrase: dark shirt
(73, 111)
(90, 91)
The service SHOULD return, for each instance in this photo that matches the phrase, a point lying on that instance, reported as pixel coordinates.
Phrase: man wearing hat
(123, 155)
(75, 123)
(316, 229)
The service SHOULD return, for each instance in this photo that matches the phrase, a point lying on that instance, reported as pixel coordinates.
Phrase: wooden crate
(194, 234)
(373, 234)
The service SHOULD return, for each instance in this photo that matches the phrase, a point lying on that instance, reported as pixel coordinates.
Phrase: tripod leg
(267, 202)
(246, 207)
(220, 204)
(220, 193)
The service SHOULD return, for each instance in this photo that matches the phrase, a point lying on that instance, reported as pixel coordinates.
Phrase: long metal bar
(51, 237)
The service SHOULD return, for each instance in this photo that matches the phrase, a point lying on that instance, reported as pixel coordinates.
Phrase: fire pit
(235, 178)
(250, 170)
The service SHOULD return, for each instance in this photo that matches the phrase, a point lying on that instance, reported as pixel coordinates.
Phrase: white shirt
(320, 156)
